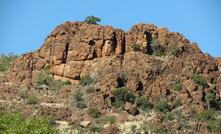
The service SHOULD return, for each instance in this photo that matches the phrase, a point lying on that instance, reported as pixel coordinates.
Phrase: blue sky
(26, 23)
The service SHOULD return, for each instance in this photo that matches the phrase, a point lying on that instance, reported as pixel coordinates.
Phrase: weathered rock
(76, 49)
(85, 123)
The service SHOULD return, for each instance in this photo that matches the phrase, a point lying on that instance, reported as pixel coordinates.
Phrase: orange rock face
(75, 49)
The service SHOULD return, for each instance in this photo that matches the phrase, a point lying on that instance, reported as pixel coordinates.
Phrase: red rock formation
(75, 49)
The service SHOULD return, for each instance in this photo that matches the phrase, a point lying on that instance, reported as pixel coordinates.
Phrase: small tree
(92, 20)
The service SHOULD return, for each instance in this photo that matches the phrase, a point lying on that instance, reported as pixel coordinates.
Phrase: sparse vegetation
(5, 61)
(85, 80)
(46, 79)
(198, 80)
(159, 53)
(214, 126)
(210, 98)
(206, 115)
(177, 86)
(133, 128)
(32, 100)
(95, 128)
(14, 123)
(92, 20)
(29, 98)
(162, 106)
(122, 95)
(174, 51)
(177, 103)
(143, 103)
(79, 100)
(94, 112)
(107, 119)
(135, 47)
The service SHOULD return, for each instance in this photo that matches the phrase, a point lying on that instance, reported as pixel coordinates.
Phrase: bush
(214, 126)
(174, 51)
(85, 80)
(48, 80)
(162, 106)
(159, 53)
(92, 20)
(198, 80)
(79, 100)
(135, 47)
(210, 98)
(14, 123)
(32, 100)
(206, 115)
(122, 95)
(177, 103)
(170, 116)
(143, 103)
(93, 112)
(177, 87)
(107, 119)
(118, 103)
(5, 61)
(133, 128)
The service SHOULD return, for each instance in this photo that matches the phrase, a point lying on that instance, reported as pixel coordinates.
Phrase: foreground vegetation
(14, 123)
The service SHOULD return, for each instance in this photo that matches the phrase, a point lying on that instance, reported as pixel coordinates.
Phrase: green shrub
(177, 87)
(214, 126)
(198, 80)
(94, 112)
(209, 99)
(133, 128)
(122, 95)
(79, 100)
(162, 106)
(206, 115)
(135, 47)
(118, 103)
(174, 51)
(169, 116)
(48, 80)
(92, 20)
(177, 103)
(106, 119)
(32, 100)
(143, 103)
(14, 123)
(161, 130)
(5, 61)
(85, 80)
(159, 53)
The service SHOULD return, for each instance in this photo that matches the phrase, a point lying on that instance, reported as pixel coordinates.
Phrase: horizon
(25, 24)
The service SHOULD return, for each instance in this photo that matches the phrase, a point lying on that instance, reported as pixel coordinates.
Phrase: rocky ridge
(147, 60)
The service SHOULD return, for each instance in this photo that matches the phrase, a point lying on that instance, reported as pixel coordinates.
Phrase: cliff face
(151, 59)
(147, 67)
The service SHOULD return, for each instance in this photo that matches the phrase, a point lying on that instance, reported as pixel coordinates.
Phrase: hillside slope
(147, 76)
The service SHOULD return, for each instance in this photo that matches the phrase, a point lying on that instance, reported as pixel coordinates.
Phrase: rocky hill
(145, 80)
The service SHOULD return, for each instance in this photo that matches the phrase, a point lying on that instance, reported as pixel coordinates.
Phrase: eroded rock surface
(163, 58)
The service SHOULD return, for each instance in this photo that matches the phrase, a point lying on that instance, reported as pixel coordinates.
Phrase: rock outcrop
(162, 59)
